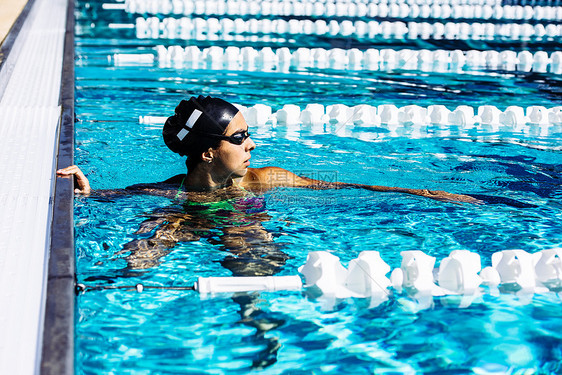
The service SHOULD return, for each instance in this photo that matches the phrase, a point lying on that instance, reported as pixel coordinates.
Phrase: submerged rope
(81, 288)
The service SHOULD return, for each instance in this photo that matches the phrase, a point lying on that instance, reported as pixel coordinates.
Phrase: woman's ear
(208, 156)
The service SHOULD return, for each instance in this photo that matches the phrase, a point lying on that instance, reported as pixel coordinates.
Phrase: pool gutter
(58, 336)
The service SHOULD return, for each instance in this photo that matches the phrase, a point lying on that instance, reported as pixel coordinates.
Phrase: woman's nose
(250, 145)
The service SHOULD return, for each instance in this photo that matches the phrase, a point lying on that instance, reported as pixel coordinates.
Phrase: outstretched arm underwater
(261, 179)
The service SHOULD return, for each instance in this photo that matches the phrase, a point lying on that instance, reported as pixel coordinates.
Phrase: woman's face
(233, 160)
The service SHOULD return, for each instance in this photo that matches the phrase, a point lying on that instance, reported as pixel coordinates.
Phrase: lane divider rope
(460, 273)
(315, 9)
(214, 28)
(392, 118)
(281, 59)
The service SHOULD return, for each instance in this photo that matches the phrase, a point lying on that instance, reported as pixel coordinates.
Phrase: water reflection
(231, 219)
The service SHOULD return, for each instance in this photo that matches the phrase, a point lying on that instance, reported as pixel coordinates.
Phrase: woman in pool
(214, 136)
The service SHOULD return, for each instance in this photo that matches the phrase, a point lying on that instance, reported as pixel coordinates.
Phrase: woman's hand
(449, 197)
(80, 180)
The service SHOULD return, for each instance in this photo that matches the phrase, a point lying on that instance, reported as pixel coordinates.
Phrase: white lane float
(366, 276)
(416, 273)
(324, 272)
(458, 273)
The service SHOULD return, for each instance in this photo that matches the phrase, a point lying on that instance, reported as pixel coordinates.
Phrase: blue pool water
(297, 332)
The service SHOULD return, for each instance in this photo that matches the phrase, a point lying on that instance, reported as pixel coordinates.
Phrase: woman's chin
(239, 173)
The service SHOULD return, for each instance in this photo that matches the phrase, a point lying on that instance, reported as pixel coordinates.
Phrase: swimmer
(214, 136)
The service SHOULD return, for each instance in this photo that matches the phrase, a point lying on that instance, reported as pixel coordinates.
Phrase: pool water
(171, 331)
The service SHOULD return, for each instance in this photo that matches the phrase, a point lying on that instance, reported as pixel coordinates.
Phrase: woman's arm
(168, 188)
(262, 179)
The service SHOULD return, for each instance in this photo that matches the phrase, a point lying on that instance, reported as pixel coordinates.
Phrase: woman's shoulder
(261, 174)
(157, 188)
(268, 177)
(176, 180)
(254, 173)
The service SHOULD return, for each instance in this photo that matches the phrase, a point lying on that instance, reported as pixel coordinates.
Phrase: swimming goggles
(236, 138)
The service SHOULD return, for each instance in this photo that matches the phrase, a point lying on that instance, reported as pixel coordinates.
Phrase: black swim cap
(193, 119)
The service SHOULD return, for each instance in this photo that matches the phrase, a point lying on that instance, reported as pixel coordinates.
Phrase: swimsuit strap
(250, 193)
(179, 189)
(238, 186)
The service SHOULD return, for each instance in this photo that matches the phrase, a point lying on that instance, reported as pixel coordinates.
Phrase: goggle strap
(193, 118)
(220, 136)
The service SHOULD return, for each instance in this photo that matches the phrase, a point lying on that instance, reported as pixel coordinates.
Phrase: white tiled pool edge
(30, 114)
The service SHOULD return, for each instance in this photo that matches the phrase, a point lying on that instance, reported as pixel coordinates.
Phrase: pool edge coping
(57, 352)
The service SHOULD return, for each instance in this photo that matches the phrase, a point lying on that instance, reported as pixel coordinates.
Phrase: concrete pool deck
(9, 12)
(36, 237)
